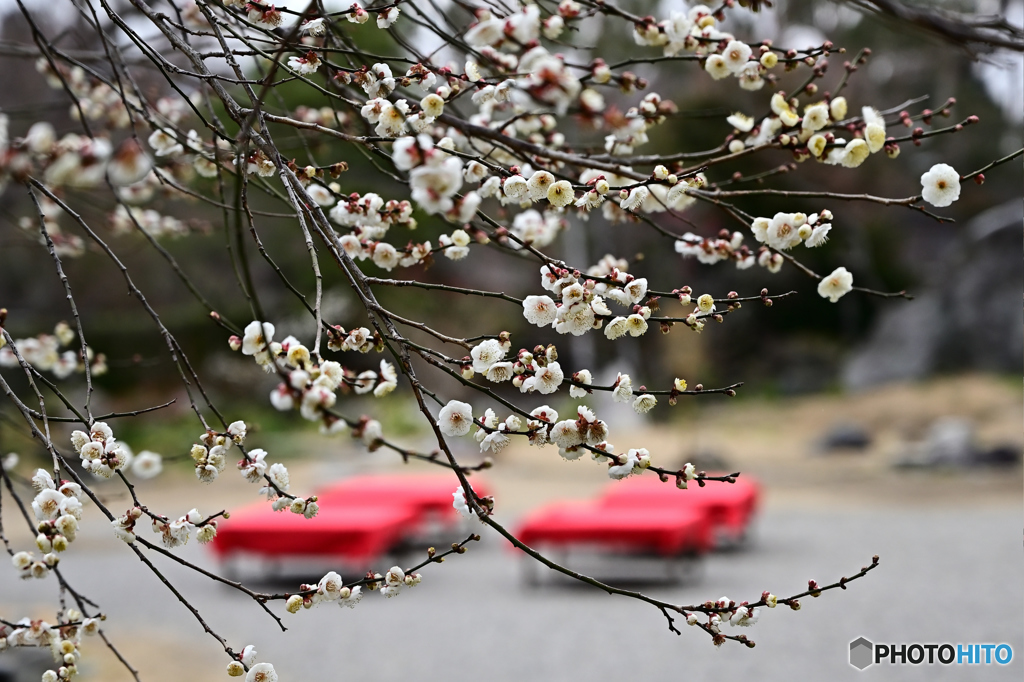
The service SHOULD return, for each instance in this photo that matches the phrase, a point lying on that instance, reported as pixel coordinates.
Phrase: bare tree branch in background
(975, 33)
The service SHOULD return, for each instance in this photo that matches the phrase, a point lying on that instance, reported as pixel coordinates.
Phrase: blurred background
(875, 426)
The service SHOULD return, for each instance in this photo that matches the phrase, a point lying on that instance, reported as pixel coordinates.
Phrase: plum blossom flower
(566, 434)
(636, 197)
(486, 353)
(583, 377)
(644, 403)
(539, 183)
(394, 580)
(744, 616)
(254, 466)
(257, 337)
(854, 154)
(434, 184)
(815, 117)
(495, 441)
(455, 418)
(576, 319)
(874, 129)
(489, 31)
(548, 378)
(717, 67)
(818, 236)
(616, 328)
(47, 505)
(940, 186)
(736, 55)
(835, 285)
(164, 144)
(782, 232)
(625, 468)
(499, 372)
(261, 672)
(636, 325)
(741, 122)
(623, 392)
(306, 64)
(539, 310)
(329, 587)
(388, 16)
(314, 27)
(433, 105)
(459, 502)
(560, 193)
(516, 187)
(147, 464)
(838, 107)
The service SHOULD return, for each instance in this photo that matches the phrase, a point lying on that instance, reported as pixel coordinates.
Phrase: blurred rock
(705, 460)
(1001, 455)
(950, 442)
(25, 664)
(968, 317)
(845, 436)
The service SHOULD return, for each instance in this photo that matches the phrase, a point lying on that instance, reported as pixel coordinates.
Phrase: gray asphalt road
(946, 576)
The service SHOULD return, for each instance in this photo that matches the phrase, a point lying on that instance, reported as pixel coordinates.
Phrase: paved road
(946, 576)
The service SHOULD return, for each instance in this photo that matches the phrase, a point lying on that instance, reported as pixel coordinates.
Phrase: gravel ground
(946, 576)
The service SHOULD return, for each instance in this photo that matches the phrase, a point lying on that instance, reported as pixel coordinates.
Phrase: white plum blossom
(459, 502)
(261, 672)
(486, 353)
(874, 129)
(940, 186)
(783, 231)
(499, 372)
(257, 338)
(495, 441)
(736, 55)
(539, 310)
(835, 285)
(305, 65)
(576, 319)
(147, 464)
(617, 470)
(561, 193)
(565, 434)
(745, 616)
(455, 418)
(434, 184)
(548, 378)
(818, 236)
(636, 197)
(583, 376)
(388, 16)
(644, 403)
(815, 117)
(539, 183)
(516, 187)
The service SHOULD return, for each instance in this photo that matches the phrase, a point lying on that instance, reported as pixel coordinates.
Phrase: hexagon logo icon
(861, 653)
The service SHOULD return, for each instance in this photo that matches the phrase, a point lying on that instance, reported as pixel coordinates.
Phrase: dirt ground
(823, 514)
